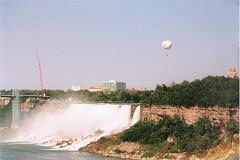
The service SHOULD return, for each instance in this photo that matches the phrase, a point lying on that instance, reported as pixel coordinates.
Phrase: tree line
(209, 91)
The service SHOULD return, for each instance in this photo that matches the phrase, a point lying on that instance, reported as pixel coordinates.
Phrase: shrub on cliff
(232, 127)
(140, 132)
(199, 136)
(6, 115)
(189, 138)
(148, 132)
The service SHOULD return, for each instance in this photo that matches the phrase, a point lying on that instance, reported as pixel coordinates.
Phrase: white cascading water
(76, 126)
(136, 116)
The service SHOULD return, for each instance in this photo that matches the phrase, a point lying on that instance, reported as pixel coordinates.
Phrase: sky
(86, 42)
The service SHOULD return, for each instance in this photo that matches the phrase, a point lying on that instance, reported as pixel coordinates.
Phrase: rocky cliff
(112, 147)
(191, 114)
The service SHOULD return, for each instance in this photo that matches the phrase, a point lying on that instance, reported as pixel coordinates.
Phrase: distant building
(4, 101)
(232, 73)
(77, 88)
(113, 85)
(144, 88)
(95, 89)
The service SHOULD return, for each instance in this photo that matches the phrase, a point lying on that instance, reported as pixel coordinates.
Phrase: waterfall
(77, 125)
(136, 116)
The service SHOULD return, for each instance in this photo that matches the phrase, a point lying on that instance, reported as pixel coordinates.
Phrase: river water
(79, 124)
(17, 151)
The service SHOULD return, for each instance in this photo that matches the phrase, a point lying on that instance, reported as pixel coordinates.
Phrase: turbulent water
(13, 151)
(76, 126)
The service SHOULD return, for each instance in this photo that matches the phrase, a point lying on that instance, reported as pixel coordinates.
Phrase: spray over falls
(77, 125)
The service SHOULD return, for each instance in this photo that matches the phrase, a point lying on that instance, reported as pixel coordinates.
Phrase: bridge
(16, 105)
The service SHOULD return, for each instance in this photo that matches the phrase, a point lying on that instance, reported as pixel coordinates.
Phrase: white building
(95, 89)
(113, 85)
(76, 88)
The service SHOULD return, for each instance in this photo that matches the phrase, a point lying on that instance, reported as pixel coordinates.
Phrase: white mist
(77, 125)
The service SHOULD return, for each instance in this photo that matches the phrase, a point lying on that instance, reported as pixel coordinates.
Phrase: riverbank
(111, 147)
(222, 147)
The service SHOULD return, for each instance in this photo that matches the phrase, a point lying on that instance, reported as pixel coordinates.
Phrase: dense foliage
(209, 91)
(6, 115)
(232, 127)
(188, 138)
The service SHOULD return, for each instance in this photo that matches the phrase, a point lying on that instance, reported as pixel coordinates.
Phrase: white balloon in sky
(166, 44)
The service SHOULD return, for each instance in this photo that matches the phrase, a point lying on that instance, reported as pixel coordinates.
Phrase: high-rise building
(113, 85)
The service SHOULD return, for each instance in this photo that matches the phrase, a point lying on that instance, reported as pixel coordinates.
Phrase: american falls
(73, 127)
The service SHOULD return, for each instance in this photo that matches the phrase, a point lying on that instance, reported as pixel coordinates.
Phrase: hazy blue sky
(86, 42)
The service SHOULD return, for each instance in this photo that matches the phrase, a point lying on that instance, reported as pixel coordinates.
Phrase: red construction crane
(40, 73)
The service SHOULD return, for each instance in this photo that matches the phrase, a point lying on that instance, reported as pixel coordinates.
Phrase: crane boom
(40, 73)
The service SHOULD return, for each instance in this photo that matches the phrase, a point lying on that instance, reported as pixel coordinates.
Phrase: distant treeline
(209, 91)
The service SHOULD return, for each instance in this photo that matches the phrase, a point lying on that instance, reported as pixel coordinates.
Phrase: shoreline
(224, 150)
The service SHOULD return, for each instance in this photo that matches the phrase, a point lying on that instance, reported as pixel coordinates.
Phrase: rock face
(128, 147)
(192, 114)
(50, 105)
(110, 148)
